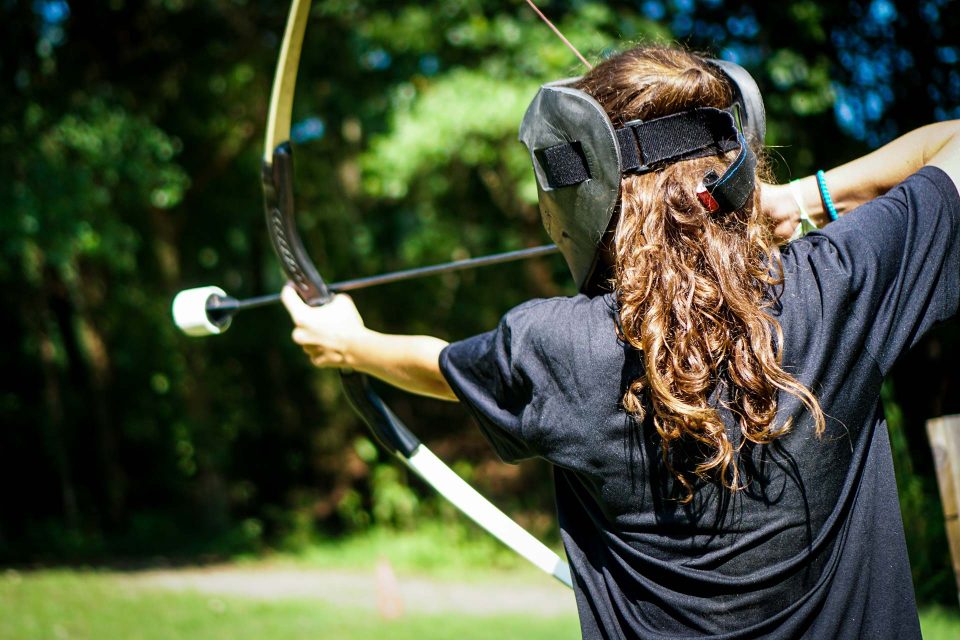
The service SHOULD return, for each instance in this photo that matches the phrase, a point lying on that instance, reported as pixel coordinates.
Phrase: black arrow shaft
(399, 276)
(446, 267)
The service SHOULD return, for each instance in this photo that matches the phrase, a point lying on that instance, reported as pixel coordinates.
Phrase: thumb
(291, 300)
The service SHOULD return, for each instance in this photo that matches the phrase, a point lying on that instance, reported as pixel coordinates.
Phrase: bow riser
(277, 177)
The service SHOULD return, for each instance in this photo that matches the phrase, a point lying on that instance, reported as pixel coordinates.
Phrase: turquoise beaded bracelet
(825, 196)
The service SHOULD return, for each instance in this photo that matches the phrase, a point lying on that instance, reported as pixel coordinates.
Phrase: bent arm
(869, 176)
(411, 363)
(874, 174)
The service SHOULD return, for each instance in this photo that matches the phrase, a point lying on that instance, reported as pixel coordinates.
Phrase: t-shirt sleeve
(899, 256)
(489, 373)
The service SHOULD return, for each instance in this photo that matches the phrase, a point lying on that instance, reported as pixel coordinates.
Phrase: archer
(710, 400)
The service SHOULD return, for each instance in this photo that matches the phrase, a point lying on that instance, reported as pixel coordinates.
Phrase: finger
(786, 230)
(302, 337)
(344, 301)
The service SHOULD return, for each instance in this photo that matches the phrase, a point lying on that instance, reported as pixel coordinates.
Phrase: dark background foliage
(131, 142)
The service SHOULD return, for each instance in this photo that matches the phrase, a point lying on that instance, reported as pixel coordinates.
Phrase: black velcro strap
(645, 146)
(630, 158)
(736, 185)
(682, 136)
(564, 164)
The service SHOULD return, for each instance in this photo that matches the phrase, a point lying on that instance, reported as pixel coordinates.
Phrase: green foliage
(75, 174)
(922, 513)
(394, 502)
(441, 125)
(449, 546)
(808, 86)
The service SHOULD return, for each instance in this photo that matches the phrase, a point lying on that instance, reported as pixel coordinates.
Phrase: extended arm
(334, 336)
(867, 177)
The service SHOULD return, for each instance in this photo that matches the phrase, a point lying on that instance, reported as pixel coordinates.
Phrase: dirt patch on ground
(377, 590)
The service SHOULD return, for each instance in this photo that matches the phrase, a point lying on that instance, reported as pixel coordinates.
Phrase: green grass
(64, 604)
(940, 623)
(89, 605)
(70, 604)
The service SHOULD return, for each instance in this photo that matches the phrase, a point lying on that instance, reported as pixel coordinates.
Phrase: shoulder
(880, 275)
(553, 331)
(928, 192)
(579, 304)
(560, 316)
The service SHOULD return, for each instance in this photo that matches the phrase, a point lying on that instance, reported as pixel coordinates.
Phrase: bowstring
(559, 34)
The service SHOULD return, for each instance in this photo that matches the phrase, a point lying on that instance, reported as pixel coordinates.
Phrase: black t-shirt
(814, 547)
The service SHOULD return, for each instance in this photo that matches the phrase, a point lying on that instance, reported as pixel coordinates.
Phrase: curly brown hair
(693, 287)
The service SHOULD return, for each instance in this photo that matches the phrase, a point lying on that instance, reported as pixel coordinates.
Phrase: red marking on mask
(707, 199)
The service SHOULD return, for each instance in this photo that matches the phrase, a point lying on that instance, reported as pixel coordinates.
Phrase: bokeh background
(130, 145)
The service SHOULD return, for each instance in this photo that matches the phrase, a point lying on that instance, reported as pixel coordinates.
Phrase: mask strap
(646, 146)
(730, 191)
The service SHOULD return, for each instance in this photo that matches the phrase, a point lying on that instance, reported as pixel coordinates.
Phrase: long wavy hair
(693, 288)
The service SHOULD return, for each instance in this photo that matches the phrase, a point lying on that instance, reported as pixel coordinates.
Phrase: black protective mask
(579, 157)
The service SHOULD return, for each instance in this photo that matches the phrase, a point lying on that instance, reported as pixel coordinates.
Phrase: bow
(393, 435)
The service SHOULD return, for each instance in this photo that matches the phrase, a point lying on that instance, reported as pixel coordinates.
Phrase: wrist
(356, 349)
(808, 190)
